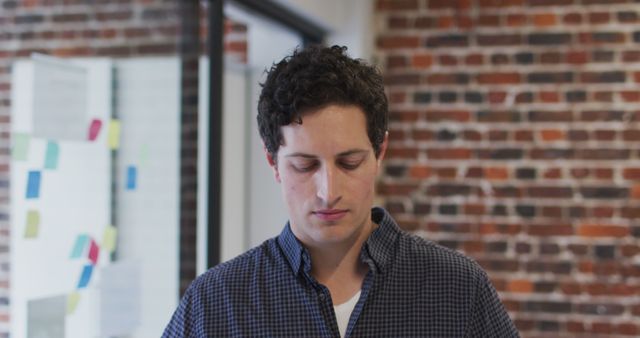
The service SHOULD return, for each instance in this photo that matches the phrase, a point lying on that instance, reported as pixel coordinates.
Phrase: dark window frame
(311, 34)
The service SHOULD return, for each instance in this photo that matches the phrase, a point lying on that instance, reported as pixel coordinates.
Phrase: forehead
(331, 129)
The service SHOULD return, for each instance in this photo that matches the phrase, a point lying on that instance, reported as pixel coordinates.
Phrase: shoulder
(239, 271)
(435, 259)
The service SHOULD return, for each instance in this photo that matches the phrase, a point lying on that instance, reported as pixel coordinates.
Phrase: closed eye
(304, 167)
(350, 165)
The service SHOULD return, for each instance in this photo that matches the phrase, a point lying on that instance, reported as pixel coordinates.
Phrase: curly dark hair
(314, 77)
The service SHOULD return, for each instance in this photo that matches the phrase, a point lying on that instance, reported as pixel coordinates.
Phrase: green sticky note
(52, 155)
(80, 245)
(114, 134)
(144, 155)
(72, 302)
(20, 146)
(109, 238)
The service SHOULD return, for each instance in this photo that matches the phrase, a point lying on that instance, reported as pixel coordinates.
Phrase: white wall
(148, 104)
(349, 22)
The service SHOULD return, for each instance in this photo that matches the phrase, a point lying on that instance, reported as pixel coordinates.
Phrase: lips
(330, 214)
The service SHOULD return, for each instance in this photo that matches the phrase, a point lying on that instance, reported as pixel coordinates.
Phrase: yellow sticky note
(33, 224)
(109, 238)
(114, 134)
(72, 302)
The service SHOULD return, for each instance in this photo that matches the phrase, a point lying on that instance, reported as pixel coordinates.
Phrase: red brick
(631, 56)
(396, 22)
(544, 19)
(551, 135)
(445, 21)
(630, 95)
(447, 60)
(422, 60)
(420, 171)
(516, 20)
(572, 18)
(550, 230)
(449, 154)
(474, 59)
(577, 57)
(549, 97)
(397, 42)
(398, 153)
(628, 329)
(474, 209)
(499, 78)
(397, 97)
(520, 286)
(631, 135)
(497, 97)
(396, 5)
(631, 173)
(397, 189)
(456, 4)
(500, 3)
(496, 173)
(488, 20)
(396, 61)
(448, 115)
(599, 230)
(599, 17)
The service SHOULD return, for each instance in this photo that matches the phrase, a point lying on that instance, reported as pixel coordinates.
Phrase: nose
(328, 186)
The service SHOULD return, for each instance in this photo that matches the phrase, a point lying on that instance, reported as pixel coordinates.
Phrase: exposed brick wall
(515, 138)
(105, 28)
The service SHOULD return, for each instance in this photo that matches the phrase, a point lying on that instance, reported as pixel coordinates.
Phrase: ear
(383, 148)
(272, 163)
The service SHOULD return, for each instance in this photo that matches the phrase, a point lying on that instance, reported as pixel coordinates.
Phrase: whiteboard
(74, 199)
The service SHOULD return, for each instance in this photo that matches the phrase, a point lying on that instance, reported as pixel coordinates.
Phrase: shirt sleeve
(181, 324)
(489, 317)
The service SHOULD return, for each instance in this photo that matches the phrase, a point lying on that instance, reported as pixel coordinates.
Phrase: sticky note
(33, 184)
(144, 154)
(31, 231)
(85, 277)
(109, 238)
(72, 302)
(20, 146)
(94, 129)
(94, 250)
(33, 224)
(79, 246)
(132, 174)
(52, 155)
(33, 217)
(114, 134)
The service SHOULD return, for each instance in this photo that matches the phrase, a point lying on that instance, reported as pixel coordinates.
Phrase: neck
(338, 265)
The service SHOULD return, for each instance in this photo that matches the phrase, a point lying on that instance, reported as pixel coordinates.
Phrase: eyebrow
(342, 154)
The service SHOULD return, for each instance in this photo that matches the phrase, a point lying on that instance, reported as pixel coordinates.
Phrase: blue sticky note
(86, 276)
(51, 157)
(79, 246)
(33, 184)
(132, 174)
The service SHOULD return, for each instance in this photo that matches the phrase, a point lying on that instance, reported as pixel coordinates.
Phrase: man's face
(327, 169)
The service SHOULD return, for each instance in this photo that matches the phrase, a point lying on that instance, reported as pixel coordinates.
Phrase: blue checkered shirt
(414, 288)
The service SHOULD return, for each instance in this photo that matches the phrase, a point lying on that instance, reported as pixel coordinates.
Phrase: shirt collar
(377, 248)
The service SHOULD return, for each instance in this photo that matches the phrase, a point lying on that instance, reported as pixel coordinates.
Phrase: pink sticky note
(94, 250)
(94, 129)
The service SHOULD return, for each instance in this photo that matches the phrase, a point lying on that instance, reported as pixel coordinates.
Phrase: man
(340, 267)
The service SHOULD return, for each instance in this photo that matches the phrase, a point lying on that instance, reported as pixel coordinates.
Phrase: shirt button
(321, 296)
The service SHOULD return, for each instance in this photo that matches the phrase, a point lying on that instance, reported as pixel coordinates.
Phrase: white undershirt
(343, 313)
